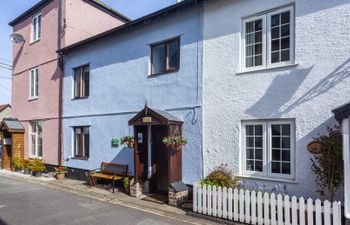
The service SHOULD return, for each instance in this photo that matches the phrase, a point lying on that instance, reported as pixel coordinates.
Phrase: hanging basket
(128, 141)
(174, 141)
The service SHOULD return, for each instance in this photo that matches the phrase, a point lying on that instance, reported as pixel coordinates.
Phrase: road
(23, 203)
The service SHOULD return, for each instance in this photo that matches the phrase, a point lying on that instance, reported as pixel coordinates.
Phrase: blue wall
(120, 87)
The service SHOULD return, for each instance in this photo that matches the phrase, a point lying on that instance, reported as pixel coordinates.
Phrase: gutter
(60, 66)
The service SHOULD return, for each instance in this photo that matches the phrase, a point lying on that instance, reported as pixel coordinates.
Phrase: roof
(43, 3)
(129, 26)
(342, 112)
(156, 116)
(3, 107)
(12, 125)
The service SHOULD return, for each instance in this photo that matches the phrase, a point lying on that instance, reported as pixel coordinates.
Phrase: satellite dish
(16, 38)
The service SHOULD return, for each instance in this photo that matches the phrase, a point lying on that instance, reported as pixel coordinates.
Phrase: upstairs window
(165, 57)
(268, 39)
(81, 82)
(34, 83)
(81, 142)
(36, 28)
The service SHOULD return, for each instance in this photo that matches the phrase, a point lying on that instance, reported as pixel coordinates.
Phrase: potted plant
(60, 172)
(126, 183)
(17, 164)
(174, 141)
(37, 167)
(127, 141)
(27, 166)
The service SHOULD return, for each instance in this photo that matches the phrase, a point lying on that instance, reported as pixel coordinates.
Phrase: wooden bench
(109, 171)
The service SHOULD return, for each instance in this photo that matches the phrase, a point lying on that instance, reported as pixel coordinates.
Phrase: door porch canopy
(149, 116)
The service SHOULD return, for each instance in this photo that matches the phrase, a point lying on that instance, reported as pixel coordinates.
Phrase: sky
(11, 9)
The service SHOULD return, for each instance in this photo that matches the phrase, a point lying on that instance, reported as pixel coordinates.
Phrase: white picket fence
(263, 208)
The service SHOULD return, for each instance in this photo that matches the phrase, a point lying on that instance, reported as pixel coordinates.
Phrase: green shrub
(221, 176)
(26, 164)
(37, 165)
(18, 163)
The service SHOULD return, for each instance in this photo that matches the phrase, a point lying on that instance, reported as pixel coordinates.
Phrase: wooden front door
(141, 152)
(159, 181)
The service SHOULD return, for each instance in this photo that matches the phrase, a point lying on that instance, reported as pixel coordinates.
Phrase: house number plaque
(147, 119)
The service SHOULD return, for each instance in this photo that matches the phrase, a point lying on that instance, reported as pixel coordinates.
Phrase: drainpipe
(60, 66)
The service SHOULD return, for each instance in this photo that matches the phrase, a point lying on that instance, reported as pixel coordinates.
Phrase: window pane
(276, 142)
(276, 168)
(286, 142)
(258, 129)
(250, 165)
(86, 81)
(86, 144)
(77, 142)
(286, 129)
(33, 144)
(285, 30)
(253, 43)
(258, 25)
(275, 32)
(250, 50)
(258, 142)
(258, 60)
(40, 146)
(286, 156)
(158, 59)
(286, 168)
(258, 37)
(285, 55)
(250, 141)
(258, 49)
(275, 57)
(285, 17)
(258, 166)
(36, 93)
(250, 154)
(275, 45)
(249, 27)
(39, 27)
(32, 83)
(285, 43)
(249, 62)
(250, 39)
(77, 74)
(275, 20)
(173, 55)
(258, 154)
(276, 155)
(249, 130)
(254, 147)
(276, 129)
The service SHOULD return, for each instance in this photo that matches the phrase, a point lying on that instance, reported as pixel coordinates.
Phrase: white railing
(263, 208)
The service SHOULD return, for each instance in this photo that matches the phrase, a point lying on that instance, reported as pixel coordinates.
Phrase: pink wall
(82, 20)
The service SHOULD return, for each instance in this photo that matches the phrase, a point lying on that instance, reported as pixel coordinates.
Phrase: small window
(34, 83)
(36, 141)
(81, 82)
(268, 39)
(165, 57)
(268, 149)
(36, 28)
(81, 142)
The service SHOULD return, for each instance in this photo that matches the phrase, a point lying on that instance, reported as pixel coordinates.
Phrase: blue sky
(11, 9)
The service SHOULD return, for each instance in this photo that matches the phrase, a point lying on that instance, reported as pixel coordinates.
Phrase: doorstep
(119, 197)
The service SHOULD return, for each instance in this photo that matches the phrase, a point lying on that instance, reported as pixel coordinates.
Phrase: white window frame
(267, 150)
(266, 51)
(36, 134)
(36, 28)
(35, 83)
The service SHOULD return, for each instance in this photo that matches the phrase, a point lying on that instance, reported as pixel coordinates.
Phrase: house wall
(6, 113)
(306, 92)
(43, 54)
(83, 20)
(120, 87)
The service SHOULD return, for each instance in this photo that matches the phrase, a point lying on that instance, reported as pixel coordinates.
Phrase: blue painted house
(142, 79)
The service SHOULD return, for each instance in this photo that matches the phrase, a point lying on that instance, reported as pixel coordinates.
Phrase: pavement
(27, 200)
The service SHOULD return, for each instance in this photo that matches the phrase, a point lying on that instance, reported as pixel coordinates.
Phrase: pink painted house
(36, 88)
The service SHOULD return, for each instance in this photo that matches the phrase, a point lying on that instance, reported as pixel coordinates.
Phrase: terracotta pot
(60, 176)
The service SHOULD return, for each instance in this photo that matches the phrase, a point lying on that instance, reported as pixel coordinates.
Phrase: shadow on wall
(125, 156)
(283, 84)
(2, 222)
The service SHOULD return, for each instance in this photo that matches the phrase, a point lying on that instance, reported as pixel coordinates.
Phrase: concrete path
(35, 202)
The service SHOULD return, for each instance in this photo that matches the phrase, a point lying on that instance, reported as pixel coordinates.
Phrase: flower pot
(127, 189)
(37, 174)
(177, 146)
(26, 171)
(60, 176)
(18, 169)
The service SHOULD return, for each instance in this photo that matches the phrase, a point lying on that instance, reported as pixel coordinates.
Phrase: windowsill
(268, 69)
(163, 73)
(81, 98)
(268, 179)
(81, 158)
(32, 99)
(33, 42)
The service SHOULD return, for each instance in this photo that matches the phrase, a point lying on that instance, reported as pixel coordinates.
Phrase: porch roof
(160, 116)
(11, 125)
(342, 112)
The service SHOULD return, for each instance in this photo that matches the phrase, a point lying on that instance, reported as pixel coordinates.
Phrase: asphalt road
(23, 203)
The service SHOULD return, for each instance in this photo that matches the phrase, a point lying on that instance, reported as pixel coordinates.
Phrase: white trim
(346, 158)
(36, 37)
(267, 148)
(30, 133)
(35, 94)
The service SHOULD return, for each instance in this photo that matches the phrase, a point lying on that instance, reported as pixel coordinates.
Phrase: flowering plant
(61, 170)
(174, 141)
(127, 141)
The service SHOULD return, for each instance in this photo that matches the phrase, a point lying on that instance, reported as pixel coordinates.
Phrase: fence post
(279, 209)
(335, 213)
(219, 201)
(260, 209)
(253, 204)
(230, 212)
(247, 206)
(302, 211)
(286, 210)
(294, 211)
(224, 203)
(199, 198)
(266, 209)
(310, 212)
(273, 208)
(195, 197)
